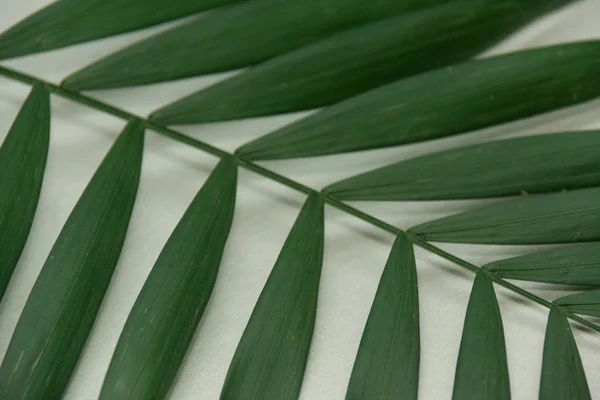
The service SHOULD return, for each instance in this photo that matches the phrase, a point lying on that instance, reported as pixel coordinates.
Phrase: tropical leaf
(586, 303)
(555, 218)
(165, 315)
(67, 22)
(22, 163)
(572, 265)
(563, 376)
(232, 38)
(535, 164)
(387, 364)
(482, 367)
(270, 359)
(63, 303)
(443, 102)
(384, 70)
(355, 61)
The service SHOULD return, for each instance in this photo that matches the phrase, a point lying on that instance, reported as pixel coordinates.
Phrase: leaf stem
(274, 176)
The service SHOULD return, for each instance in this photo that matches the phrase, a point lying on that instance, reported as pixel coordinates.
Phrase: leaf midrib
(276, 177)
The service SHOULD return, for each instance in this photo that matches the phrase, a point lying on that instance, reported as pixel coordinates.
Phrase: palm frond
(572, 265)
(444, 102)
(164, 318)
(62, 306)
(482, 367)
(68, 22)
(233, 37)
(386, 72)
(586, 303)
(22, 162)
(563, 376)
(354, 61)
(387, 363)
(270, 359)
(525, 165)
(565, 217)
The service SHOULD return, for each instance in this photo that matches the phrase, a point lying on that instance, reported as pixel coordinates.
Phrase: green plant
(316, 58)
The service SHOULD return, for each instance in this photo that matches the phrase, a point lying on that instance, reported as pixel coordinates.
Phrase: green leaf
(444, 102)
(535, 164)
(22, 163)
(270, 359)
(586, 303)
(573, 265)
(355, 61)
(232, 38)
(167, 311)
(387, 364)
(563, 376)
(63, 303)
(67, 22)
(554, 218)
(482, 368)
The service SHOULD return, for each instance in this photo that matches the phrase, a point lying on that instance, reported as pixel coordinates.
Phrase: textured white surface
(265, 211)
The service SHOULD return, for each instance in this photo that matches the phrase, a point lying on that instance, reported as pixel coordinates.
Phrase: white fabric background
(355, 252)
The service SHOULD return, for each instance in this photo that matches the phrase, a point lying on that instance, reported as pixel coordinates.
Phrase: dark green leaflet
(271, 357)
(63, 303)
(553, 218)
(586, 303)
(482, 368)
(167, 311)
(355, 61)
(387, 364)
(67, 22)
(535, 164)
(572, 265)
(22, 163)
(444, 102)
(232, 38)
(563, 376)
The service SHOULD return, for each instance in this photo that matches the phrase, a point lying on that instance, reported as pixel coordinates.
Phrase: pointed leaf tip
(64, 301)
(22, 163)
(271, 356)
(387, 364)
(173, 299)
(482, 367)
(563, 376)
